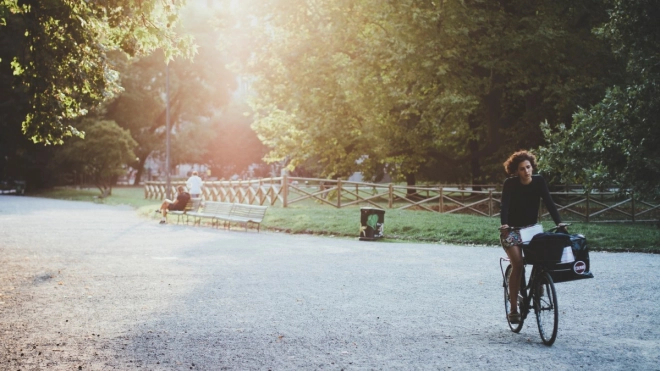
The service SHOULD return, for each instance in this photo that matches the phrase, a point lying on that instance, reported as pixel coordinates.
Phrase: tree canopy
(120, 49)
(54, 64)
(101, 157)
(431, 89)
(200, 91)
(617, 140)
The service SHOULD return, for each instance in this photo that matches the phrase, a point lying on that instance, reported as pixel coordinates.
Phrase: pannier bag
(565, 256)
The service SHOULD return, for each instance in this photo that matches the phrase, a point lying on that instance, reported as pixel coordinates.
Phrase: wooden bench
(245, 215)
(230, 213)
(211, 210)
(191, 207)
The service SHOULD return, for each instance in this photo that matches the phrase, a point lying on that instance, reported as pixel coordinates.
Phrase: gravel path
(95, 287)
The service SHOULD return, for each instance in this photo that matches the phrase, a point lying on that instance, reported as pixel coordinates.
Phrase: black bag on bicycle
(566, 256)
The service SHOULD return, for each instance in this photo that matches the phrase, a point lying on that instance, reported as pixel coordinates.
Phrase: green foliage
(415, 86)
(230, 144)
(617, 141)
(199, 90)
(57, 54)
(101, 156)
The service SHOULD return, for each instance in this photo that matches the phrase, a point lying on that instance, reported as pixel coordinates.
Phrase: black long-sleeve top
(520, 203)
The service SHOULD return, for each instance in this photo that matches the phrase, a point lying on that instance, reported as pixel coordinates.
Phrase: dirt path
(94, 287)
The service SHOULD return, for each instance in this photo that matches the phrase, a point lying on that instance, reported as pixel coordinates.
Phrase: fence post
(632, 199)
(588, 212)
(285, 190)
(391, 195)
(490, 202)
(442, 201)
(339, 193)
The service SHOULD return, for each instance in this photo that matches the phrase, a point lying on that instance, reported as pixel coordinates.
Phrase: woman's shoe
(514, 318)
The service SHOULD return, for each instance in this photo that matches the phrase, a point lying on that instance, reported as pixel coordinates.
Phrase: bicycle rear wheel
(545, 307)
(515, 327)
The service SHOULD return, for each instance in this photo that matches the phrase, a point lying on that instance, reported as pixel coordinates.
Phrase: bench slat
(246, 214)
(210, 210)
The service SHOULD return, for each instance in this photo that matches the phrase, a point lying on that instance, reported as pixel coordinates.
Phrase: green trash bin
(371, 223)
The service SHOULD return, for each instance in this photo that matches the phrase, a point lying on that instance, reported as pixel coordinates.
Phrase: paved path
(95, 287)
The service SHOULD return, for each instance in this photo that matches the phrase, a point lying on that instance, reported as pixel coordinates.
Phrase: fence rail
(573, 202)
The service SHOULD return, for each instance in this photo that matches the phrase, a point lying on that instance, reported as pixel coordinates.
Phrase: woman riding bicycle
(520, 208)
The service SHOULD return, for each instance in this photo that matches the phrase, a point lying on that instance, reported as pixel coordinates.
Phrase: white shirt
(194, 184)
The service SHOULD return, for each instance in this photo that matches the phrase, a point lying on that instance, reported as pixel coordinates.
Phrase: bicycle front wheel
(545, 306)
(515, 327)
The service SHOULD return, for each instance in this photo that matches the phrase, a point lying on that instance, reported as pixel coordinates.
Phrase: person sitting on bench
(179, 204)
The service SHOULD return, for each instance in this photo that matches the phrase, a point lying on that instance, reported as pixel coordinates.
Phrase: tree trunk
(140, 169)
(411, 181)
(104, 188)
(473, 146)
(475, 165)
(492, 116)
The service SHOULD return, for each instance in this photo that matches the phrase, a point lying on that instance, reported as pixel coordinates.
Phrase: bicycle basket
(546, 248)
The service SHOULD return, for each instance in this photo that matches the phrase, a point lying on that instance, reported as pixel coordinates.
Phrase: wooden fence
(573, 202)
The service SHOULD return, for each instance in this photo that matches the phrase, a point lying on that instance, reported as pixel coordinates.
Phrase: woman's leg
(515, 256)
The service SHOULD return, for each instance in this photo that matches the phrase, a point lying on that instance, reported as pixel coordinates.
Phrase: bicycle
(538, 294)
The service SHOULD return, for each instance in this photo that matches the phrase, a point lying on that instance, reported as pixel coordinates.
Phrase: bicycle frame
(525, 284)
(537, 293)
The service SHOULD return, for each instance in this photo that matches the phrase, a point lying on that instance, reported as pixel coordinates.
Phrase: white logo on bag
(579, 267)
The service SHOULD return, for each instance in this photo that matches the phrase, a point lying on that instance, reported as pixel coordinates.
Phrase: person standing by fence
(195, 184)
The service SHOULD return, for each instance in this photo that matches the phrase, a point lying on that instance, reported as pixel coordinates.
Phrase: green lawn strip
(400, 225)
(423, 226)
(132, 196)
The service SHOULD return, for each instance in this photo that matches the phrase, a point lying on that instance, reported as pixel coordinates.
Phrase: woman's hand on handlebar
(561, 228)
(504, 227)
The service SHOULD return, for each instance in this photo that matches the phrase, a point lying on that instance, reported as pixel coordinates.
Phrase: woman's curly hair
(511, 163)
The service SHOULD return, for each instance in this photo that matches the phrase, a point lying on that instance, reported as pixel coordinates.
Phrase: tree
(199, 89)
(232, 146)
(55, 56)
(525, 62)
(359, 85)
(617, 140)
(101, 156)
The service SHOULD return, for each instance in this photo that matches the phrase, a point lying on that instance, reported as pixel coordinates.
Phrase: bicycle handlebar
(560, 226)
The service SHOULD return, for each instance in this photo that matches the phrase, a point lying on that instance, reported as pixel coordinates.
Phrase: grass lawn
(132, 196)
(400, 225)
